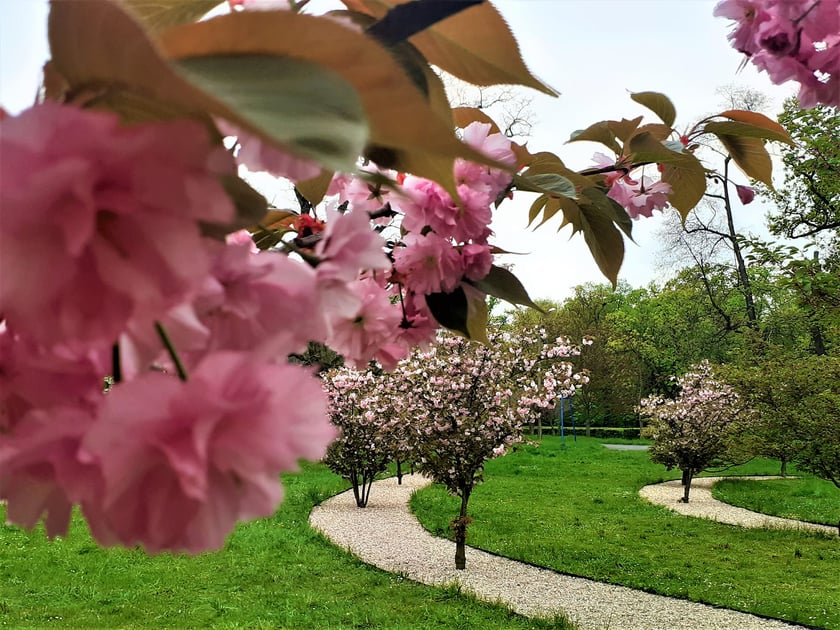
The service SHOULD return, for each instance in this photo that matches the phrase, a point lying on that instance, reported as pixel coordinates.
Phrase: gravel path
(387, 535)
(701, 504)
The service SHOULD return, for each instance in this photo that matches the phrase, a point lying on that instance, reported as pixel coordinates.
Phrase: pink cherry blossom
(33, 377)
(41, 474)
(266, 301)
(603, 161)
(495, 146)
(429, 264)
(100, 221)
(640, 198)
(749, 14)
(182, 462)
(791, 40)
(257, 155)
(360, 194)
(428, 205)
(477, 260)
(369, 332)
(348, 246)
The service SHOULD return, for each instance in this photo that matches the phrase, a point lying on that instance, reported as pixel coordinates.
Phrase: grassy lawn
(805, 499)
(576, 509)
(274, 573)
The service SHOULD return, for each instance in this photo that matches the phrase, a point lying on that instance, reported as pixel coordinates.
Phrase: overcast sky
(595, 52)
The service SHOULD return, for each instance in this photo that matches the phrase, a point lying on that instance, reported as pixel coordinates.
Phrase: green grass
(576, 509)
(805, 499)
(273, 573)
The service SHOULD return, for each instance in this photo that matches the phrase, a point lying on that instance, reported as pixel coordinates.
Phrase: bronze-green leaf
(502, 284)
(475, 45)
(734, 128)
(159, 14)
(759, 120)
(751, 156)
(688, 184)
(603, 239)
(552, 184)
(659, 104)
(399, 116)
(598, 132)
(477, 315)
(299, 104)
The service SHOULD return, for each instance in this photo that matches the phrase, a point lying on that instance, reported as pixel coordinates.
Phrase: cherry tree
(693, 431)
(469, 401)
(372, 432)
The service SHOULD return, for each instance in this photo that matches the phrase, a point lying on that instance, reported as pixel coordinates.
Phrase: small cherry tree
(357, 409)
(469, 402)
(693, 431)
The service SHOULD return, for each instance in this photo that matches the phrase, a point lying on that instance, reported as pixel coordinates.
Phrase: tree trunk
(688, 475)
(743, 277)
(460, 527)
(685, 478)
(399, 473)
(783, 471)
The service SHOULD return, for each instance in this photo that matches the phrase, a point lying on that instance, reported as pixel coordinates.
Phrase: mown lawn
(274, 573)
(805, 498)
(576, 509)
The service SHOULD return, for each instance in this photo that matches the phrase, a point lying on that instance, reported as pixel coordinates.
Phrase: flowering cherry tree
(469, 403)
(693, 431)
(370, 432)
(124, 258)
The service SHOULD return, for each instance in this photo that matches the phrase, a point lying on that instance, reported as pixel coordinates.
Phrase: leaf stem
(173, 354)
(116, 364)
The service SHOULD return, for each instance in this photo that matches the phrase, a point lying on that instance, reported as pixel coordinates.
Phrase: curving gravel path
(387, 535)
(702, 504)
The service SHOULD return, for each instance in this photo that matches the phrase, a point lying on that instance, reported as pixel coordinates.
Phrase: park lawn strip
(576, 509)
(804, 498)
(273, 573)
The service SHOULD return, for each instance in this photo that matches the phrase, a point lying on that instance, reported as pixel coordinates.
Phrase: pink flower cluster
(440, 245)
(638, 197)
(105, 263)
(107, 272)
(795, 40)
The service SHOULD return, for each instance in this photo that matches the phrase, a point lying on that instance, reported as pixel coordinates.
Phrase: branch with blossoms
(123, 253)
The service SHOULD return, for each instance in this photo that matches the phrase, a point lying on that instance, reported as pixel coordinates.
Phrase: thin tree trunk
(461, 531)
(399, 473)
(743, 277)
(688, 475)
(783, 471)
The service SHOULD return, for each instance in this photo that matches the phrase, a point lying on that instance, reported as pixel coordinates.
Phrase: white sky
(595, 52)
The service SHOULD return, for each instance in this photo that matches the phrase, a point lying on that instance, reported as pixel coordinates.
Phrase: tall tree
(808, 205)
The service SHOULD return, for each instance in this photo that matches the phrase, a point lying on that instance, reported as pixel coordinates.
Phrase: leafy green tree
(819, 417)
(808, 204)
